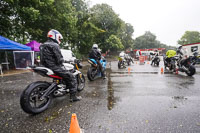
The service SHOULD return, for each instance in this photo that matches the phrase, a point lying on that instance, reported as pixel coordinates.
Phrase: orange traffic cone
(162, 70)
(74, 126)
(136, 62)
(147, 62)
(129, 70)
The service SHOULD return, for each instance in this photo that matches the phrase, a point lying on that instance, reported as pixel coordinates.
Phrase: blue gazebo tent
(9, 45)
(6, 44)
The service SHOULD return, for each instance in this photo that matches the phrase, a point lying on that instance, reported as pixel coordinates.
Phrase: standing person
(52, 58)
(96, 54)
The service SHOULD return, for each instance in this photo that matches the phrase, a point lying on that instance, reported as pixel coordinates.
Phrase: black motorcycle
(170, 63)
(155, 61)
(129, 60)
(38, 95)
(187, 65)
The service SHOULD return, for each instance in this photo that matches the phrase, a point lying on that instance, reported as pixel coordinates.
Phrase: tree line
(81, 26)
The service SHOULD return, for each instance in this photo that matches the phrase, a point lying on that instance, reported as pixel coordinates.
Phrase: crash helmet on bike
(55, 36)
(95, 46)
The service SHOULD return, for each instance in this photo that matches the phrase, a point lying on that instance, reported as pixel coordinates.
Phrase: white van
(67, 55)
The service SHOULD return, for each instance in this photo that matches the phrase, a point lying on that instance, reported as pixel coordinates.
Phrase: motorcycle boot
(74, 98)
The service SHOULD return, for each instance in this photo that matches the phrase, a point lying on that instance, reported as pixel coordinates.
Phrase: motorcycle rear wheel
(30, 98)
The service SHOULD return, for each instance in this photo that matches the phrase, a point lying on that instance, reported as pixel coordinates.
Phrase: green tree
(6, 11)
(190, 37)
(114, 43)
(148, 40)
(103, 17)
(126, 34)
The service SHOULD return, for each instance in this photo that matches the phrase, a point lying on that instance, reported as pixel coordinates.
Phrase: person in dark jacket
(52, 58)
(96, 54)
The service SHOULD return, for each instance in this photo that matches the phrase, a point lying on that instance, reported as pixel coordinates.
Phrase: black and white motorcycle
(38, 95)
(187, 65)
(155, 60)
(129, 59)
(121, 62)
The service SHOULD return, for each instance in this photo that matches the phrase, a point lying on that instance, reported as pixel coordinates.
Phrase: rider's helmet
(179, 46)
(179, 49)
(95, 46)
(55, 36)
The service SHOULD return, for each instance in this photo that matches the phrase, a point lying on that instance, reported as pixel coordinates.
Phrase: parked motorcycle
(121, 62)
(94, 70)
(129, 60)
(155, 60)
(187, 65)
(38, 95)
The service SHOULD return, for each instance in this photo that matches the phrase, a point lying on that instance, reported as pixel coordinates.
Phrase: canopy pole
(7, 60)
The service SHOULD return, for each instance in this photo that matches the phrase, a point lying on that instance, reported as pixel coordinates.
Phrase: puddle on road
(131, 72)
(178, 101)
(111, 98)
(179, 98)
(110, 93)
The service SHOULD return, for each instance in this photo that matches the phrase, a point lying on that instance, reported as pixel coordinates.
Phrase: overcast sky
(167, 19)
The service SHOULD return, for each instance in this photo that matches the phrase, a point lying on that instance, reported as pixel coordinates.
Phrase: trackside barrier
(74, 126)
(141, 58)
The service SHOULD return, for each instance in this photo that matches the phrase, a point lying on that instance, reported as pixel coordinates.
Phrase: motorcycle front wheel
(91, 73)
(157, 63)
(30, 99)
(119, 65)
(81, 82)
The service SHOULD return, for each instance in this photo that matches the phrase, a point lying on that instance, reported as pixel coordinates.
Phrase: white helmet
(55, 35)
(95, 46)
(179, 46)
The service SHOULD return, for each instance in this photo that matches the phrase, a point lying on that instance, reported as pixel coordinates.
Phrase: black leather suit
(52, 58)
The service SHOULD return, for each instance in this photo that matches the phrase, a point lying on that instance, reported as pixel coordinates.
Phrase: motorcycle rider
(170, 54)
(154, 58)
(96, 54)
(52, 58)
(122, 55)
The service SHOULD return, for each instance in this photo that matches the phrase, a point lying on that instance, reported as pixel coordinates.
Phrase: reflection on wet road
(138, 98)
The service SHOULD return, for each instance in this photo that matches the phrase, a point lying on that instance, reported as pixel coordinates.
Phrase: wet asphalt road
(140, 101)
